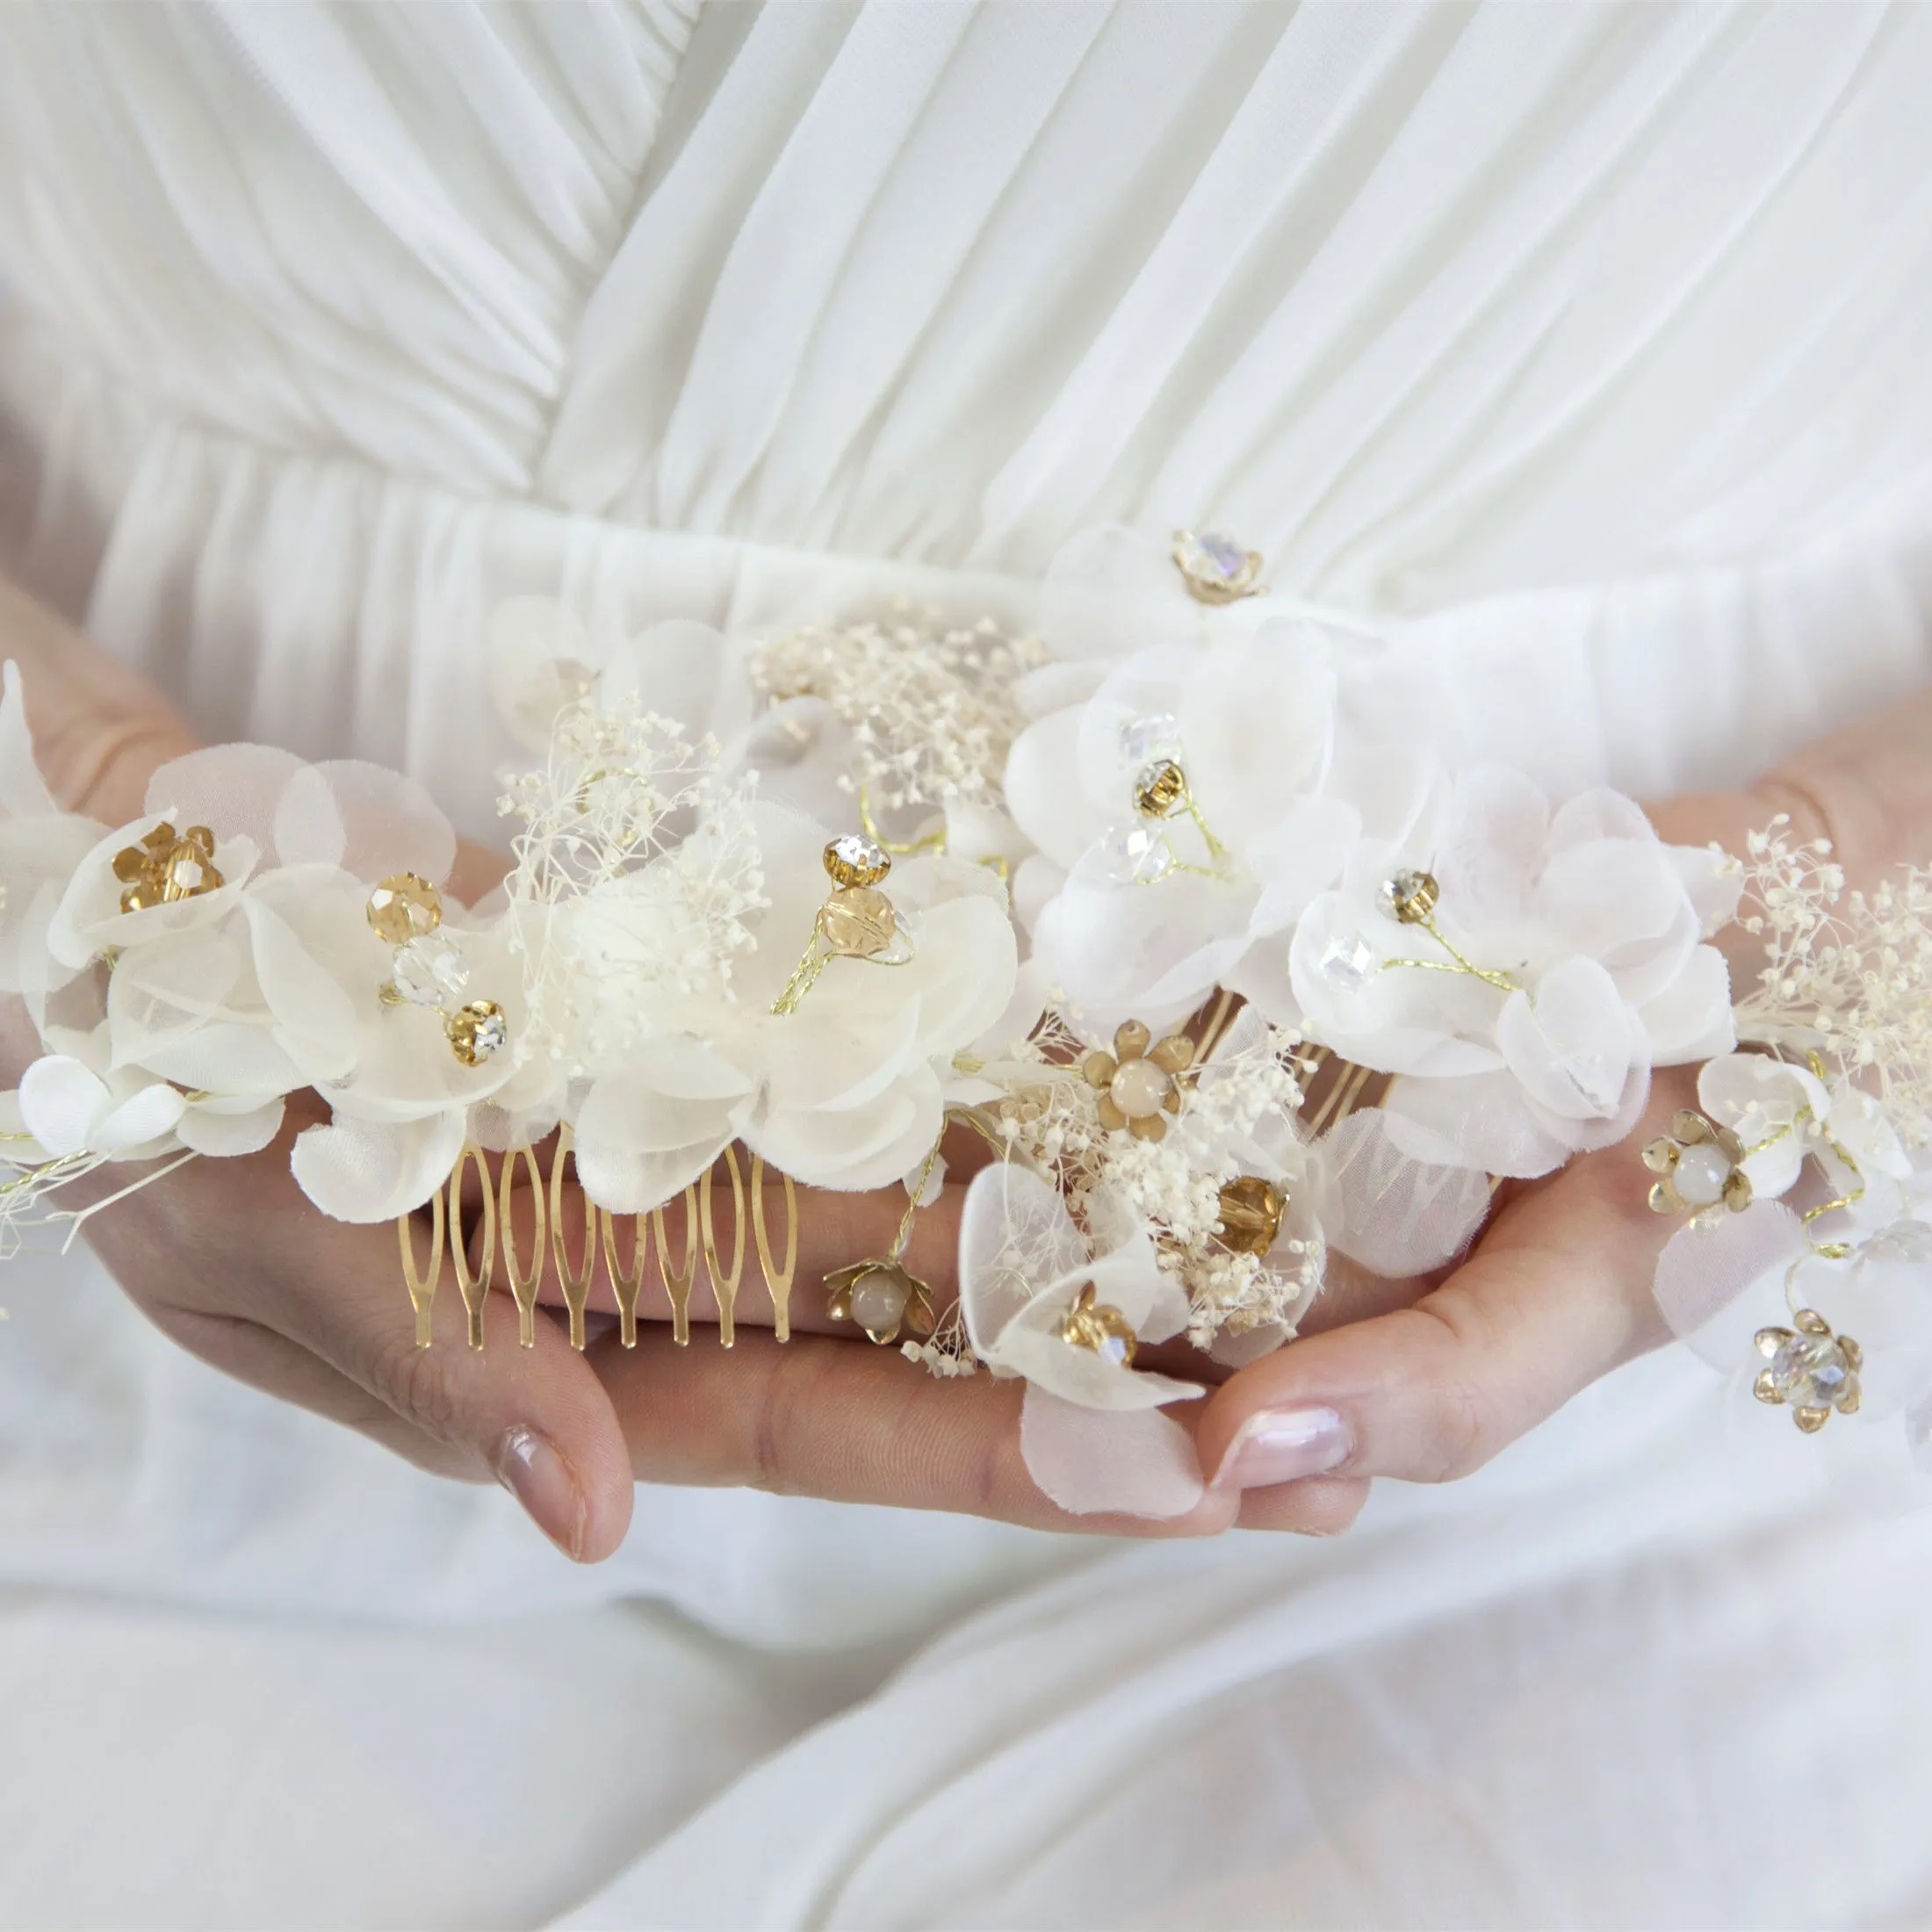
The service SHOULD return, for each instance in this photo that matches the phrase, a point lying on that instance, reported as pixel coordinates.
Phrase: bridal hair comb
(1446, 979)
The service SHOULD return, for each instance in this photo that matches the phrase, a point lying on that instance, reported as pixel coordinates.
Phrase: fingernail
(540, 1480)
(1280, 1445)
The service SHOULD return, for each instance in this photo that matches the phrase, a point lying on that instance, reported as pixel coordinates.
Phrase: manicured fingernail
(1280, 1445)
(540, 1480)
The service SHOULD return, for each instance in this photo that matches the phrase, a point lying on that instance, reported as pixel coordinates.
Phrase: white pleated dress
(1584, 350)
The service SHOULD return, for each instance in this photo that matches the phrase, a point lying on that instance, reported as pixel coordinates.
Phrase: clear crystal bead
(1347, 962)
(1146, 739)
(1139, 856)
(430, 971)
(1810, 1371)
(1210, 555)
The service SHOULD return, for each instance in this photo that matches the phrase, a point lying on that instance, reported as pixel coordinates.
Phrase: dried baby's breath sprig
(637, 866)
(1848, 979)
(930, 706)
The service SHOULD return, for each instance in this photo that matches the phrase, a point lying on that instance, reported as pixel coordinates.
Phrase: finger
(241, 1239)
(1316, 1506)
(1557, 1294)
(272, 1363)
(535, 1419)
(822, 1418)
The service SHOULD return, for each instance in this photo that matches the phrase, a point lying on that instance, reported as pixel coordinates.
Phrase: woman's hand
(1557, 1289)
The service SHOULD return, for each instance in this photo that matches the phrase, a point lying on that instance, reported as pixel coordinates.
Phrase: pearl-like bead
(1140, 1088)
(1700, 1175)
(879, 1301)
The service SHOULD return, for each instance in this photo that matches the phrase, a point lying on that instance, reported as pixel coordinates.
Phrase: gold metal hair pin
(549, 1241)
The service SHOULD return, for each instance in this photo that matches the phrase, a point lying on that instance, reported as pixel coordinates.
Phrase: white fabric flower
(1597, 928)
(68, 1108)
(849, 1091)
(1023, 1265)
(1143, 916)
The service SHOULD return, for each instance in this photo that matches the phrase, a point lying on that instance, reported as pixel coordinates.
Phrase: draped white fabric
(1581, 349)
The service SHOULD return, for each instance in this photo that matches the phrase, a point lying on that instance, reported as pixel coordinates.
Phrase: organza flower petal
(1045, 794)
(148, 1113)
(369, 1171)
(61, 1102)
(854, 1148)
(1572, 1043)
(233, 789)
(1690, 1019)
(1718, 1281)
(1091, 1462)
(631, 1183)
(23, 791)
(1393, 1213)
(1015, 1233)
(217, 1132)
(366, 819)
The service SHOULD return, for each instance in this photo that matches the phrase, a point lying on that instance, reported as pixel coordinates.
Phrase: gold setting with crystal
(857, 921)
(1160, 791)
(166, 865)
(1100, 1326)
(1215, 570)
(404, 911)
(1140, 1082)
(1720, 1173)
(493, 1233)
(1250, 1214)
(1410, 897)
(1811, 1371)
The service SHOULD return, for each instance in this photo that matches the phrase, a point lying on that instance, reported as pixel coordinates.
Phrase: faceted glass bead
(1347, 962)
(477, 1032)
(1250, 1214)
(852, 859)
(1156, 736)
(858, 923)
(1810, 1371)
(1139, 856)
(404, 907)
(430, 971)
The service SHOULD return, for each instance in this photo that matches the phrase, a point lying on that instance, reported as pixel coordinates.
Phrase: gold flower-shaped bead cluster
(1140, 1082)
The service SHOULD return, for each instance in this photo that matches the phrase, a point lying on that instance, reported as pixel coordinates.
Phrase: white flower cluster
(1113, 895)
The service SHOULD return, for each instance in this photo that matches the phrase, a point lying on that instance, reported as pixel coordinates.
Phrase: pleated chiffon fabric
(1578, 353)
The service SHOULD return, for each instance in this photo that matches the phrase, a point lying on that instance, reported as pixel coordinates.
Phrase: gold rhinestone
(477, 1032)
(1250, 1214)
(1411, 896)
(1159, 789)
(852, 859)
(1096, 1325)
(404, 907)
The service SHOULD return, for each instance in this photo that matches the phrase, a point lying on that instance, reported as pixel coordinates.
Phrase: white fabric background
(1584, 346)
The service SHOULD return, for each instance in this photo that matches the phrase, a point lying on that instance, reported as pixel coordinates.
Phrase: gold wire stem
(677, 1281)
(902, 1239)
(1216, 851)
(778, 1281)
(474, 1288)
(1503, 982)
(933, 841)
(576, 1281)
(804, 977)
(625, 1287)
(423, 1289)
(723, 1286)
(525, 1281)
